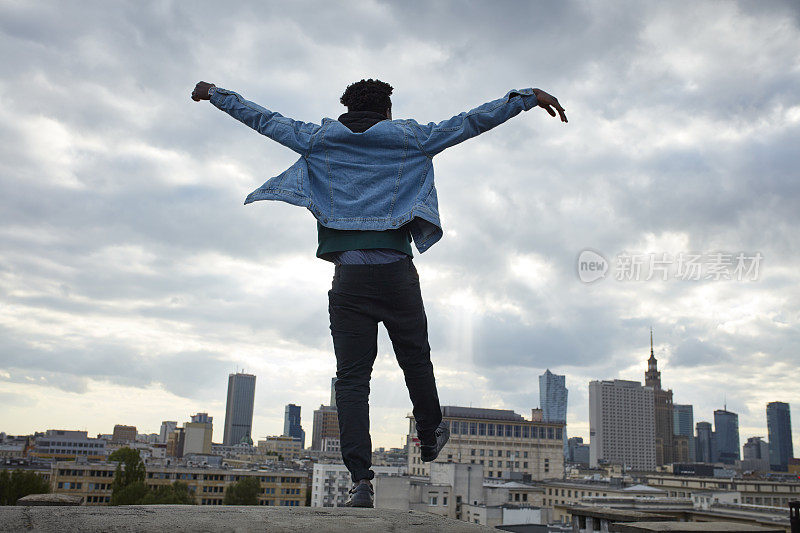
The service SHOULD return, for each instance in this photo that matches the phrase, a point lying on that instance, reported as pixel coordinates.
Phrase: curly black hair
(368, 95)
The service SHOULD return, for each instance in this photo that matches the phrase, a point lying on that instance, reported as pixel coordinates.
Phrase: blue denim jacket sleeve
(292, 134)
(433, 138)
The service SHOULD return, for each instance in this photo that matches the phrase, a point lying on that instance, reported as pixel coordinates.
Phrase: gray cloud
(120, 199)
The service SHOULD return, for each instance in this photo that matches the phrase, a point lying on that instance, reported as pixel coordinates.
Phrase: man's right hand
(546, 101)
(201, 91)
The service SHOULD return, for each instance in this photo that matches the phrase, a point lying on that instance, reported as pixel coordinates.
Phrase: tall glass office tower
(683, 424)
(291, 424)
(726, 431)
(705, 451)
(553, 400)
(779, 426)
(553, 397)
(239, 409)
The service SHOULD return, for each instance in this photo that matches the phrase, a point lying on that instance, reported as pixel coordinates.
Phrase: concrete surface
(678, 527)
(50, 499)
(159, 518)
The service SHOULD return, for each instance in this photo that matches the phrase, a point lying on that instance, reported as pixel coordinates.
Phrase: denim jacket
(376, 180)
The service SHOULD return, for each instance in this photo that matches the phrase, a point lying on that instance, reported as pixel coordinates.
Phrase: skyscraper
(239, 409)
(705, 449)
(726, 431)
(197, 434)
(326, 426)
(553, 399)
(202, 418)
(167, 427)
(779, 427)
(755, 448)
(291, 424)
(622, 424)
(333, 392)
(662, 410)
(683, 424)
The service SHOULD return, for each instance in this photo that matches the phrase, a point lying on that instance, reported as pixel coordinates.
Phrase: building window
(509, 431)
(444, 500)
(550, 433)
(517, 431)
(558, 433)
(432, 500)
(490, 430)
(473, 428)
(482, 429)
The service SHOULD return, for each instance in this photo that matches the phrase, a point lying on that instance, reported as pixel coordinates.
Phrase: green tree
(20, 483)
(5, 486)
(177, 493)
(129, 487)
(243, 492)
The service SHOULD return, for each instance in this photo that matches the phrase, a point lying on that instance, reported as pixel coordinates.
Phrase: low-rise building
(502, 442)
(331, 445)
(12, 449)
(123, 433)
(94, 481)
(561, 495)
(331, 482)
(753, 491)
(67, 444)
(286, 447)
(197, 437)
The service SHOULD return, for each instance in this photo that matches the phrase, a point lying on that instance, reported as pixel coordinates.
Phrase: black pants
(362, 296)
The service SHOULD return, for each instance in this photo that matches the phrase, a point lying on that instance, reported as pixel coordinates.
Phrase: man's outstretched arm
(434, 138)
(293, 134)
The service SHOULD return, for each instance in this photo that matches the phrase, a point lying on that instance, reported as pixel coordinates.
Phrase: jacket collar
(361, 121)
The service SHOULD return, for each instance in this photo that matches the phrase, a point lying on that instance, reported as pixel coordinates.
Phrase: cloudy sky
(133, 280)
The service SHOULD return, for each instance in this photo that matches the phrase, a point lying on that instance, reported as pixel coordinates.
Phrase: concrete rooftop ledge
(159, 518)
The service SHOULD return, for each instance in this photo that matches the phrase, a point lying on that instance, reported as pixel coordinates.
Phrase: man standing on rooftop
(368, 181)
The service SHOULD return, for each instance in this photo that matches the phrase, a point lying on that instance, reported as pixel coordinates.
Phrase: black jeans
(362, 296)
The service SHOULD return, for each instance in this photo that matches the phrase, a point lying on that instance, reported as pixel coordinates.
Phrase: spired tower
(662, 404)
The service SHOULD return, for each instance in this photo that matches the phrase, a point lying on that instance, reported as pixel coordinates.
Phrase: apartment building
(68, 444)
(285, 446)
(94, 481)
(331, 482)
(753, 491)
(503, 442)
(559, 495)
(622, 424)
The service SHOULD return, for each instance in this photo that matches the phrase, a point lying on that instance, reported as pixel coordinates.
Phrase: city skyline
(741, 435)
(132, 277)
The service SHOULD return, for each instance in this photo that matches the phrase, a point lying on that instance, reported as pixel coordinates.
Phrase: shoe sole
(360, 503)
(368, 505)
(446, 440)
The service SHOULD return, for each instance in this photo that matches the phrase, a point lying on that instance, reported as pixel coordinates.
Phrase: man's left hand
(546, 101)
